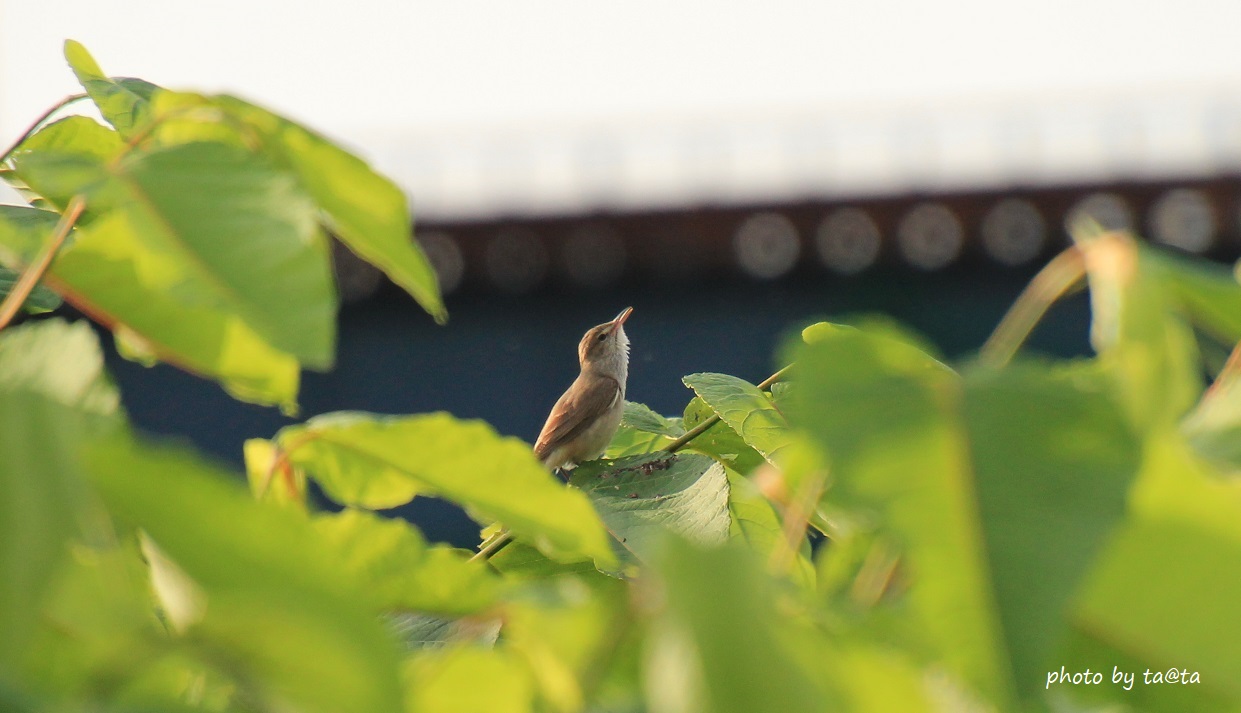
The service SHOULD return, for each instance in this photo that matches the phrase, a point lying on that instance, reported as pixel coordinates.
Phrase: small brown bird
(586, 417)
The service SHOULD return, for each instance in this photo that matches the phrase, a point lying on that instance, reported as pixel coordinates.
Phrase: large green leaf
(640, 417)
(123, 101)
(65, 158)
(642, 497)
(1164, 593)
(997, 493)
(396, 567)
(207, 258)
(756, 522)
(375, 462)
(366, 210)
(1208, 293)
(1213, 428)
(745, 408)
(279, 614)
(724, 646)
(54, 397)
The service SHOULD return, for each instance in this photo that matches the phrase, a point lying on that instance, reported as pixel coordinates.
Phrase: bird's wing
(575, 412)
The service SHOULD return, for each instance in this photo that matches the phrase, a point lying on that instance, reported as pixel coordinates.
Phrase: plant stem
(38, 123)
(713, 419)
(1050, 284)
(497, 542)
(34, 272)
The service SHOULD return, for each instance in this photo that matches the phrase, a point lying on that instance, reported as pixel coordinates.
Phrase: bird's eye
(602, 336)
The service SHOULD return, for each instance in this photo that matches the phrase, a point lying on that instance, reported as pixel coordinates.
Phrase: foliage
(982, 528)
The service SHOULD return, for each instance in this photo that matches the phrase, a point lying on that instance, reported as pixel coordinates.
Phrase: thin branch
(1050, 284)
(713, 419)
(38, 123)
(34, 272)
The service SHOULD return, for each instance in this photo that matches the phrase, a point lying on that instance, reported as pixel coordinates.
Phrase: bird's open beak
(624, 315)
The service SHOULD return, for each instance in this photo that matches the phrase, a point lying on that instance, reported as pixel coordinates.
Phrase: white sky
(404, 81)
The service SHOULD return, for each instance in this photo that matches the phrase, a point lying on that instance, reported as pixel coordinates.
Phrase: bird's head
(605, 348)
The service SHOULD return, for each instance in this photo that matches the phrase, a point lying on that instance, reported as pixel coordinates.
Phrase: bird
(585, 418)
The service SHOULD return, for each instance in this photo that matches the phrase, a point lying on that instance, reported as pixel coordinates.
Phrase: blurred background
(732, 170)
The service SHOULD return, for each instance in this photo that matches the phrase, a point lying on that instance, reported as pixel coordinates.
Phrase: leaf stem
(1050, 284)
(797, 520)
(713, 419)
(38, 123)
(498, 541)
(34, 272)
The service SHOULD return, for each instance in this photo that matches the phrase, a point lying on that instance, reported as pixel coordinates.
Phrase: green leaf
(745, 408)
(40, 299)
(124, 102)
(1206, 292)
(641, 418)
(65, 158)
(1149, 350)
(725, 646)
(756, 522)
(641, 497)
(518, 561)
(1213, 428)
(391, 561)
(60, 360)
(720, 441)
(278, 613)
(211, 261)
(378, 462)
(1163, 594)
(364, 209)
(997, 492)
(468, 679)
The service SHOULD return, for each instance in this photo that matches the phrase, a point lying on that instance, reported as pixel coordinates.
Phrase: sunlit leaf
(640, 417)
(363, 208)
(972, 491)
(123, 101)
(720, 441)
(396, 567)
(730, 649)
(58, 359)
(277, 609)
(468, 679)
(746, 409)
(377, 462)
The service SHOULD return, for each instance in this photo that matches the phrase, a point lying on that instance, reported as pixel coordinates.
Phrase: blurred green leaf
(1208, 293)
(364, 209)
(40, 299)
(746, 409)
(720, 441)
(980, 484)
(755, 521)
(468, 679)
(420, 631)
(278, 614)
(123, 101)
(1149, 350)
(1213, 428)
(568, 632)
(378, 462)
(1163, 594)
(725, 646)
(60, 360)
(630, 441)
(641, 497)
(65, 158)
(396, 567)
(641, 418)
